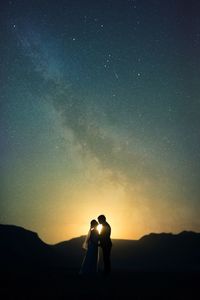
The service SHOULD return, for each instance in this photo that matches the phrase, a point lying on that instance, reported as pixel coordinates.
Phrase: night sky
(100, 113)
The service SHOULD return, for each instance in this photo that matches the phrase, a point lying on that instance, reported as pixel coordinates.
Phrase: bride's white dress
(90, 261)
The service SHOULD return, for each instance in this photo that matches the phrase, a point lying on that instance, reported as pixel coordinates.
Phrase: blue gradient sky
(100, 113)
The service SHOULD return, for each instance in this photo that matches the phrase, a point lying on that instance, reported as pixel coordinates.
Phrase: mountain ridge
(151, 234)
(22, 248)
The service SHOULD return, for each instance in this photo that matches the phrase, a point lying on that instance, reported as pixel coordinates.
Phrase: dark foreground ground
(65, 284)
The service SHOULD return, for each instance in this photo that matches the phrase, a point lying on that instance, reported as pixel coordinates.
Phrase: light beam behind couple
(98, 236)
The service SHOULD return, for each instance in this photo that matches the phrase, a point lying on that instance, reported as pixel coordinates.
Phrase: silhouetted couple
(95, 239)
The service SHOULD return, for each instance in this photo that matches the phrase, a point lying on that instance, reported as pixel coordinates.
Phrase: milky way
(100, 112)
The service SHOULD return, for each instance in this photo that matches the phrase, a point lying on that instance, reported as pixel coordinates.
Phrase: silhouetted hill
(21, 248)
(153, 252)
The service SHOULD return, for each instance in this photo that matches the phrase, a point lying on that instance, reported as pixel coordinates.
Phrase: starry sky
(100, 113)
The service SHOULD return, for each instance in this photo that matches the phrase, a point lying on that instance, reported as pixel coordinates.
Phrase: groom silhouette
(105, 243)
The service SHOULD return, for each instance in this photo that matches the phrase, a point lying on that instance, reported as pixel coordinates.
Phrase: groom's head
(101, 219)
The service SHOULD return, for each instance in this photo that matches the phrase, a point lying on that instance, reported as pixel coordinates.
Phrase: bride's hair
(93, 223)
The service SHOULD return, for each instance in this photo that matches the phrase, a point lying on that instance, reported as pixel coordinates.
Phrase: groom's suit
(106, 245)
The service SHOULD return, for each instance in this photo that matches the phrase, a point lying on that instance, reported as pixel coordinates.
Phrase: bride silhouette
(90, 261)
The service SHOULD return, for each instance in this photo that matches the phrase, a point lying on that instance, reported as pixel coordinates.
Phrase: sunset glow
(99, 228)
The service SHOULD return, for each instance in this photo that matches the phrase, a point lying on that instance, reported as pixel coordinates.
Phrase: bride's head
(93, 224)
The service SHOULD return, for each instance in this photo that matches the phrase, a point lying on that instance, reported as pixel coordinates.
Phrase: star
(116, 75)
